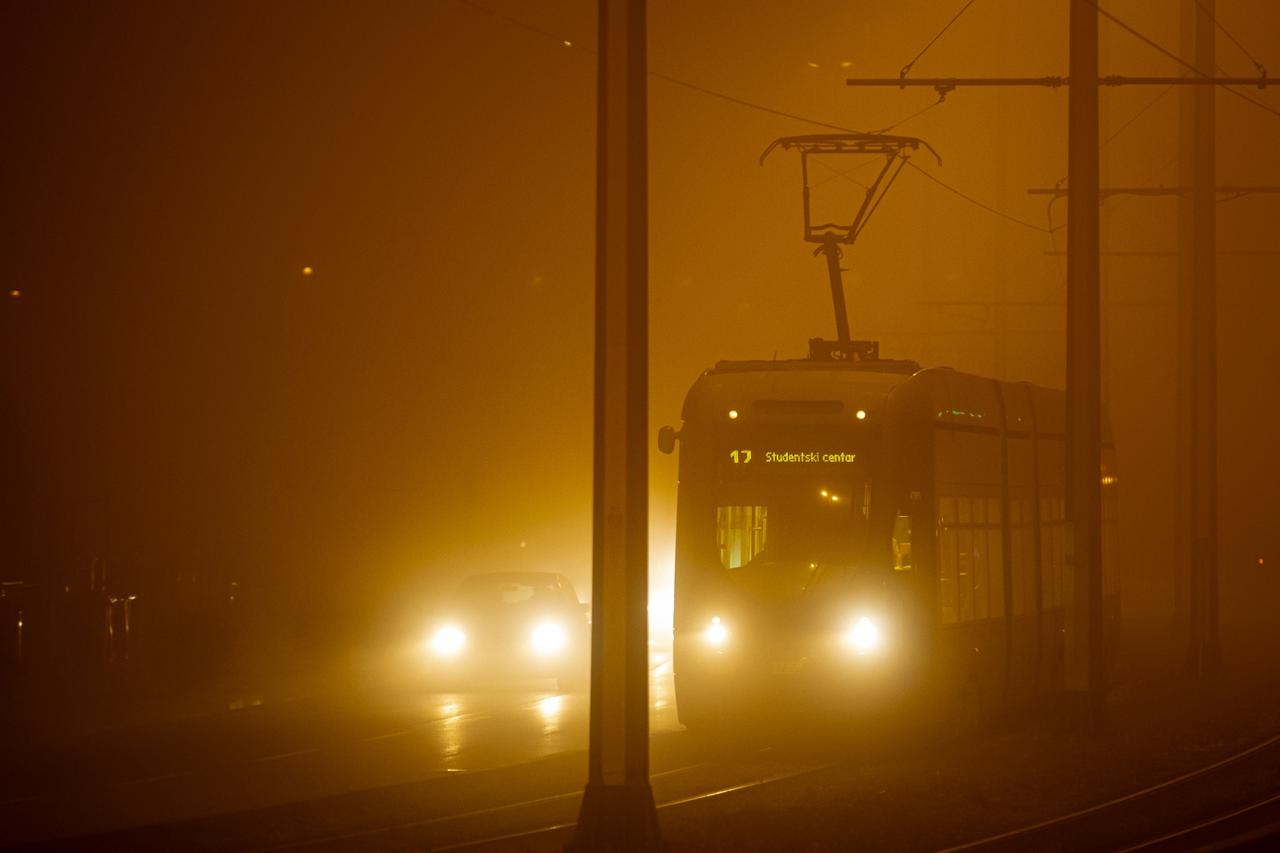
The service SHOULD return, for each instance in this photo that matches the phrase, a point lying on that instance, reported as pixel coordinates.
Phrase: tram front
(786, 585)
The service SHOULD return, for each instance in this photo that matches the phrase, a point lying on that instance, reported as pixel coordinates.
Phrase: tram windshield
(790, 495)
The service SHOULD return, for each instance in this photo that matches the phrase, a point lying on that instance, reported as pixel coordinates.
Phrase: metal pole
(831, 249)
(1204, 654)
(1084, 671)
(1183, 536)
(617, 811)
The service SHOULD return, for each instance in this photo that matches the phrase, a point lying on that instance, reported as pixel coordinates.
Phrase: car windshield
(790, 494)
(509, 591)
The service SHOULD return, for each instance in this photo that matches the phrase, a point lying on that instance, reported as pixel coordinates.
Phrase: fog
(184, 405)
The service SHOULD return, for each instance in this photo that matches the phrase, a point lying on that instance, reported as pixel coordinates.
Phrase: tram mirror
(667, 439)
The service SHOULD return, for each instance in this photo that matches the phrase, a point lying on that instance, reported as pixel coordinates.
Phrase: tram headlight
(862, 637)
(548, 638)
(716, 634)
(448, 641)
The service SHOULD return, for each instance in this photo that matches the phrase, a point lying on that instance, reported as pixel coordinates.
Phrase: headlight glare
(548, 638)
(716, 634)
(863, 636)
(448, 641)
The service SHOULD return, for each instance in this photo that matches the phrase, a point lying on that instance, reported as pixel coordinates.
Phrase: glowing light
(307, 270)
(716, 632)
(863, 637)
(733, 414)
(567, 43)
(548, 638)
(549, 708)
(825, 493)
(15, 294)
(1260, 562)
(835, 499)
(861, 414)
(813, 65)
(448, 641)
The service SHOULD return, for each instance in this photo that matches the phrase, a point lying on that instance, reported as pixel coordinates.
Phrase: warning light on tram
(861, 414)
(733, 414)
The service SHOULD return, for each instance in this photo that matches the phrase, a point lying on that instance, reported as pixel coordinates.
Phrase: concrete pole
(1084, 671)
(1204, 655)
(617, 807)
(1183, 535)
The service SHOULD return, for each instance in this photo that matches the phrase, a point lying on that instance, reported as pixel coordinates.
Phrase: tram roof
(773, 388)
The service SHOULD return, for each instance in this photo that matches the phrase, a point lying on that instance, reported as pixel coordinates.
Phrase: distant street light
(307, 270)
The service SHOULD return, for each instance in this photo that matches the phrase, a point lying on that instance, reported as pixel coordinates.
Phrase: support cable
(1178, 59)
(1262, 69)
(907, 68)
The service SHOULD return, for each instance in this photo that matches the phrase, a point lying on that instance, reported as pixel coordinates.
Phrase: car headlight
(863, 636)
(548, 638)
(448, 641)
(716, 634)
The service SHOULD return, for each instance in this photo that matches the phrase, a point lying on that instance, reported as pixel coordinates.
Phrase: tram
(853, 531)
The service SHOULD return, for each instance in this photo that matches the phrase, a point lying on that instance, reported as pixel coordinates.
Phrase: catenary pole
(1084, 658)
(1203, 653)
(617, 812)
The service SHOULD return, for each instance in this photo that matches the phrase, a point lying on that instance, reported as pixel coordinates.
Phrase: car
(503, 626)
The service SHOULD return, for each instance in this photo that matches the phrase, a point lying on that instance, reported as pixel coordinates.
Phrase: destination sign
(747, 456)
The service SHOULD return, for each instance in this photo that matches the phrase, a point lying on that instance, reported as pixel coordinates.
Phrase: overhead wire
(1129, 122)
(1024, 223)
(907, 68)
(1178, 59)
(770, 110)
(1262, 69)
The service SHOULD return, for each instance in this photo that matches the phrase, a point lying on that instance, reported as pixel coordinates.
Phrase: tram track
(680, 801)
(1083, 826)
(1078, 829)
(562, 799)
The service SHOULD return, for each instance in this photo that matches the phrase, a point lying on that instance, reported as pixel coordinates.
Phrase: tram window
(741, 533)
(1015, 512)
(947, 576)
(981, 588)
(995, 570)
(902, 543)
(1020, 562)
(993, 511)
(947, 510)
(979, 511)
(964, 576)
(964, 515)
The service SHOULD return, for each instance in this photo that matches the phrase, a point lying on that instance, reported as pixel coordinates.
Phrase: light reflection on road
(286, 752)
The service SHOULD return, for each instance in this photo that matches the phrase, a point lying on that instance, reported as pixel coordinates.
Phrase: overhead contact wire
(770, 110)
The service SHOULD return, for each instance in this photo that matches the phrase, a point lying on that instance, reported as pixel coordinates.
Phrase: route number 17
(740, 456)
